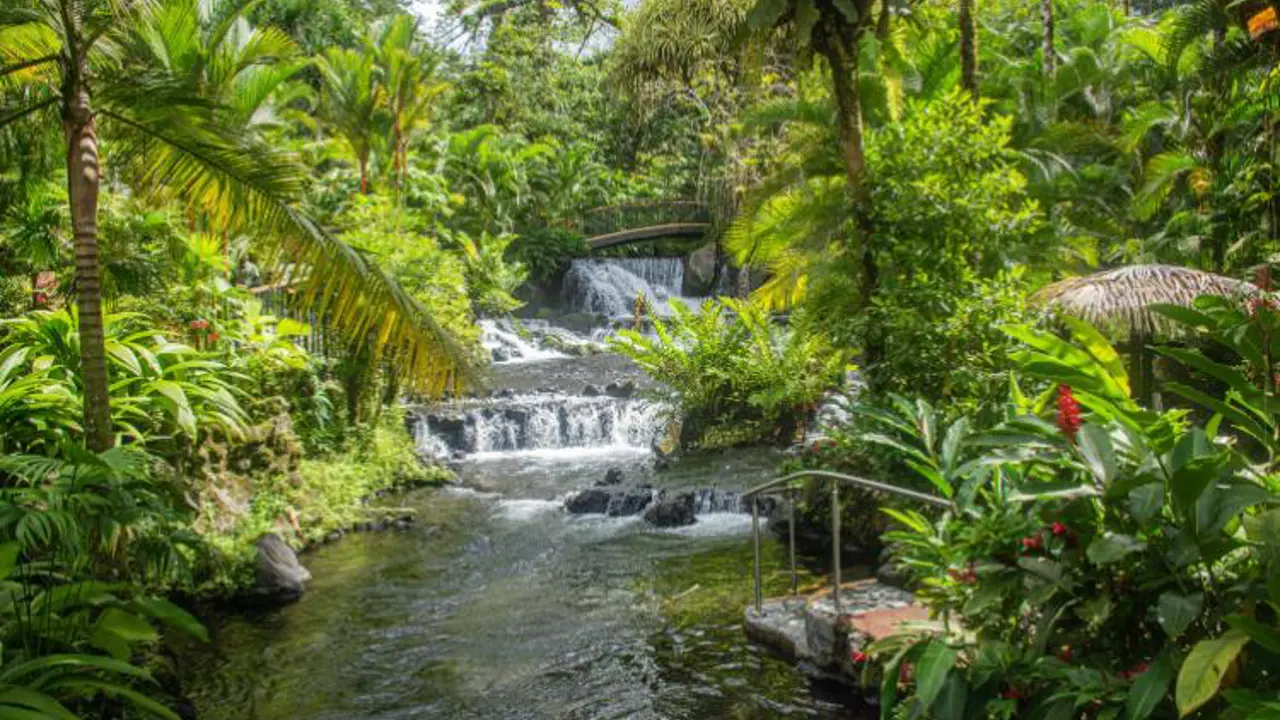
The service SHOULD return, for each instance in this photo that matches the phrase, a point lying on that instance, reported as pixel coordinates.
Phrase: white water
(609, 286)
(542, 423)
(501, 336)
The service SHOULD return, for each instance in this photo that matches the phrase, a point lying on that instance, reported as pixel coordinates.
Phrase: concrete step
(807, 629)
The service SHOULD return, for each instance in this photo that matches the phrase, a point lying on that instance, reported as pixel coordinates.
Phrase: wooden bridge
(633, 222)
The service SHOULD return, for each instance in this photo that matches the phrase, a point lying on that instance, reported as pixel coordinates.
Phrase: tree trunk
(83, 174)
(1046, 21)
(842, 55)
(968, 49)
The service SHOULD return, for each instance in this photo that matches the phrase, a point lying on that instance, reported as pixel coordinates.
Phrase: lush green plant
(1083, 559)
(161, 389)
(732, 373)
(546, 252)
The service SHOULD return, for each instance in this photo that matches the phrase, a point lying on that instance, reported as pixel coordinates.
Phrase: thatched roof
(1119, 300)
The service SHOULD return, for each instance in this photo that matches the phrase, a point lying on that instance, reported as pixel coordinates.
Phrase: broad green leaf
(1202, 671)
(8, 558)
(807, 17)
(1146, 501)
(1266, 636)
(934, 664)
(766, 14)
(1176, 612)
(1110, 547)
(848, 9)
(951, 701)
(292, 328)
(1095, 446)
(1097, 345)
(1150, 688)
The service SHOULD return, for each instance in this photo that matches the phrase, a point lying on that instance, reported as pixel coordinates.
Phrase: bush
(731, 373)
(546, 251)
(1088, 561)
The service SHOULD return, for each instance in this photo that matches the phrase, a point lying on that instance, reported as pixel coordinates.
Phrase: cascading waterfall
(506, 345)
(540, 422)
(609, 286)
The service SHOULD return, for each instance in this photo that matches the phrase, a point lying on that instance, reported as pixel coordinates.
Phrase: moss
(322, 495)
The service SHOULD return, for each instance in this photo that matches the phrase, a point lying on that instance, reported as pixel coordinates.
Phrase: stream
(497, 603)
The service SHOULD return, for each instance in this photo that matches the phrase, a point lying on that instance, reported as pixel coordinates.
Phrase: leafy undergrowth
(327, 493)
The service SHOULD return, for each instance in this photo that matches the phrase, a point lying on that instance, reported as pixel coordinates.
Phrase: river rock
(612, 476)
(629, 501)
(671, 510)
(591, 391)
(591, 500)
(700, 270)
(620, 390)
(500, 354)
(279, 575)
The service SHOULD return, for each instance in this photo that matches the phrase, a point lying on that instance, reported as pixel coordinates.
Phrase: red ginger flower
(1069, 420)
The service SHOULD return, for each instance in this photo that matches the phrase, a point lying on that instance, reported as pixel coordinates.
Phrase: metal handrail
(784, 483)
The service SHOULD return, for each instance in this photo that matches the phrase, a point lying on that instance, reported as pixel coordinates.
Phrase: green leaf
(8, 558)
(766, 14)
(848, 9)
(935, 663)
(171, 615)
(1097, 345)
(807, 17)
(1111, 547)
(1099, 456)
(1176, 612)
(1267, 637)
(951, 701)
(1202, 672)
(1145, 502)
(1150, 688)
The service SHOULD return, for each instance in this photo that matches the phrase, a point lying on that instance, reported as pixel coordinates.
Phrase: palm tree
(79, 58)
(968, 49)
(408, 74)
(350, 101)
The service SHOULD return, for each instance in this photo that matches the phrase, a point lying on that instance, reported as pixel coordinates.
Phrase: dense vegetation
(234, 235)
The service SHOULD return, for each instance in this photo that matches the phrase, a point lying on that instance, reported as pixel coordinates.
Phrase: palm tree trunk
(968, 49)
(842, 55)
(1046, 21)
(83, 175)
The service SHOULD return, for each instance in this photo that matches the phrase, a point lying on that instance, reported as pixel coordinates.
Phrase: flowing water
(499, 604)
(609, 287)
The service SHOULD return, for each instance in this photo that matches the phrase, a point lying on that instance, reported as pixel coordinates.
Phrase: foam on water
(609, 286)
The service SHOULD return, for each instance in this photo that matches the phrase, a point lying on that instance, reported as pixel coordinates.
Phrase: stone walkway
(806, 628)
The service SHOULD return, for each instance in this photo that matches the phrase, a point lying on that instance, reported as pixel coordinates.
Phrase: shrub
(1093, 549)
(732, 374)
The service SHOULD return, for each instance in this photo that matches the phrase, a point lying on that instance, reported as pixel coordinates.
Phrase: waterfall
(609, 286)
(540, 422)
(506, 345)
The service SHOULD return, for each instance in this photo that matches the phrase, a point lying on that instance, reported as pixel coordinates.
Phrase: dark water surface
(497, 604)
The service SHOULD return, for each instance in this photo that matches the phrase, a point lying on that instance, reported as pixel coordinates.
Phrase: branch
(16, 116)
(17, 67)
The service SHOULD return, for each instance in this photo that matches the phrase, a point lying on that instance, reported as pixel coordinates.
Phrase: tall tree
(351, 100)
(408, 73)
(835, 29)
(73, 57)
(1046, 39)
(968, 49)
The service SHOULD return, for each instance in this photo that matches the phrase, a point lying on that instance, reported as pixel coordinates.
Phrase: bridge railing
(630, 216)
(789, 485)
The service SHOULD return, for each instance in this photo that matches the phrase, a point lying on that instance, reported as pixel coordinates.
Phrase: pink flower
(1058, 529)
(1069, 421)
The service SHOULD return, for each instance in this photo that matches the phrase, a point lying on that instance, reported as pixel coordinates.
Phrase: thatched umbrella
(1119, 302)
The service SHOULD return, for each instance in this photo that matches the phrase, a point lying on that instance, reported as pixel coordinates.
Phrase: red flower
(858, 657)
(41, 298)
(904, 672)
(1058, 528)
(1134, 671)
(213, 337)
(199, 324)
(1032, 542)
(1069, 421)
(1012, 693)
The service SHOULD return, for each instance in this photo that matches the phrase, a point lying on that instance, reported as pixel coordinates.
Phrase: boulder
(612, 476)
(629, 501)
(592, 500)
(621, 390)
(700, 270)
(500, 354)
(671, 510)
(279, 575)
(591, 391)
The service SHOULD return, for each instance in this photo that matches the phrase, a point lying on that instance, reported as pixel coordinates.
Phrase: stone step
(807, 629)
